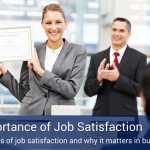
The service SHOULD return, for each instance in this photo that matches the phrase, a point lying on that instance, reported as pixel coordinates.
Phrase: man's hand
(101, 68)
(111, 75)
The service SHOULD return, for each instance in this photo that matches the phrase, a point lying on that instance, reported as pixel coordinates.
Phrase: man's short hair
(124, 20)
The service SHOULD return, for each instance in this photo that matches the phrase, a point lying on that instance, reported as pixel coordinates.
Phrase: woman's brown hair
(53, 7)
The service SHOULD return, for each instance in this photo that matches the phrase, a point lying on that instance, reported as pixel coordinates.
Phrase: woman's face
(54, 25)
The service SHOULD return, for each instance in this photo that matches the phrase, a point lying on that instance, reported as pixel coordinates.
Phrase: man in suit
(115, 73)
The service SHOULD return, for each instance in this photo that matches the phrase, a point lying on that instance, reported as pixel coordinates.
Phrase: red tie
(116, 54)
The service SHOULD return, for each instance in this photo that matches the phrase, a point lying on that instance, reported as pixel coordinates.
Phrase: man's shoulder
(101, 53)
(136, 52)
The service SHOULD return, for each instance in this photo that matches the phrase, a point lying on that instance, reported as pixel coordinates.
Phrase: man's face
(119, 34)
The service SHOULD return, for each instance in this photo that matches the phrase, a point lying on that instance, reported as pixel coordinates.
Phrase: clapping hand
(105, 73)
(101, 68)
(111, 75)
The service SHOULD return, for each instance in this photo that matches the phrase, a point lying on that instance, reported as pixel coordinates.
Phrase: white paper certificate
(15, 43)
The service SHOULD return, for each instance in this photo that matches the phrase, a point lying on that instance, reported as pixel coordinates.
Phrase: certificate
(16, 43)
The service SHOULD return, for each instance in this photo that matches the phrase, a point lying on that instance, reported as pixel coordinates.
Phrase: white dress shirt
(120, 51)
(51, 56)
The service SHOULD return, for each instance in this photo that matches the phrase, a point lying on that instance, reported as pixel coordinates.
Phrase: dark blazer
(59, 87)
(116, 98)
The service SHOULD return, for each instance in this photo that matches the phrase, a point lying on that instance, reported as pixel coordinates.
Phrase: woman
(55, 73)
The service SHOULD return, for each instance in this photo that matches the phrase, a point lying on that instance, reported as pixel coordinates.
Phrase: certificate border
(30, 42)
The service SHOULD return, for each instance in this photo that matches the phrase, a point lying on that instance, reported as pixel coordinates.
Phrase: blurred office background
(89, 25)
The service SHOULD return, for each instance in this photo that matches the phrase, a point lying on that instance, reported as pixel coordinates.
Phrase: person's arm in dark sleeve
(128, 86)
(17, 89)
(92, 85)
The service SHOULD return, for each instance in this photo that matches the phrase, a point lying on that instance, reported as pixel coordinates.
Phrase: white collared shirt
(120, 51)
(50, 58)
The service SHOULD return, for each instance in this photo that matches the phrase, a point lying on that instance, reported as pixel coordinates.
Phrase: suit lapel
(61, 57)
(42, 54)
(107, 55)
(124, 59)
